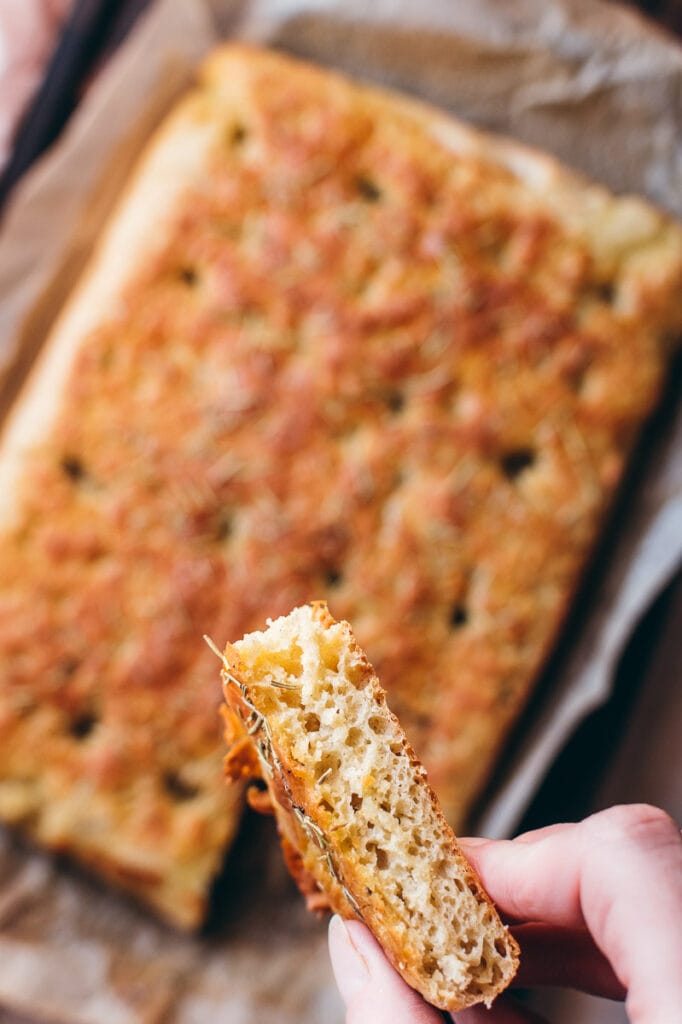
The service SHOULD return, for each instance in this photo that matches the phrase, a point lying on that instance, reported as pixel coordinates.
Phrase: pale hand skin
(597, 906)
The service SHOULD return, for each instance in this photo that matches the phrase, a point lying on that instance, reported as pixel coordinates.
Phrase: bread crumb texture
(372, 356)
(362, 827)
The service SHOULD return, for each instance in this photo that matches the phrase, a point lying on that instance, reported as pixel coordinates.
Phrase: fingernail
(349, 965)
(472, 841)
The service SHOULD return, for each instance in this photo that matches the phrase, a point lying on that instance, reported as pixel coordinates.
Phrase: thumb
(371, 989)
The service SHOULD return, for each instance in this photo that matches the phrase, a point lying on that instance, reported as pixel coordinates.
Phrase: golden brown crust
(329, 874)
(316, 899)
(355, 348)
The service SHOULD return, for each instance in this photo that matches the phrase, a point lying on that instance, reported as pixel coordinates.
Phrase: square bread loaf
(332, 343)
(362, 831)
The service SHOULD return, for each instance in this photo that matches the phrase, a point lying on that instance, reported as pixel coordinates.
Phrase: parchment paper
(588, 81)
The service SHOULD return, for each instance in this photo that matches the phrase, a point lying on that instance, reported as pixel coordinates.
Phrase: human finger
(504, 1010)
(370, 987)
(472, 842)
(566, 957)
(619, 874)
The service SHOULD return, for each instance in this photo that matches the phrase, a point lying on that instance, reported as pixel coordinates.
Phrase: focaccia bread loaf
(361, 828)
(332, 342)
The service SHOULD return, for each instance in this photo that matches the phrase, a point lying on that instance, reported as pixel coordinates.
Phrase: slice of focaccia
(362, 831)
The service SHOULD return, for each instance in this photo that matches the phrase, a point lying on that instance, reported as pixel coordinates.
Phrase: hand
(597, 906)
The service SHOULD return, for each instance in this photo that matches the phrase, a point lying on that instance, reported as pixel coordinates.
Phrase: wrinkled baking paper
(590, 82)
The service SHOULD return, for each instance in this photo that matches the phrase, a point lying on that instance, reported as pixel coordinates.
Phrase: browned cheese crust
(370, 354)
(329, 872)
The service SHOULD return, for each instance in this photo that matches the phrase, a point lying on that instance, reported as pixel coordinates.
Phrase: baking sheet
(590, 82)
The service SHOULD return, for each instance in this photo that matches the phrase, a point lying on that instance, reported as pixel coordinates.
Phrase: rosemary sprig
(214, 648)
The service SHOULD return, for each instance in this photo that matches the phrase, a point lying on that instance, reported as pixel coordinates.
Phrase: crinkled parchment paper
(586, 80)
